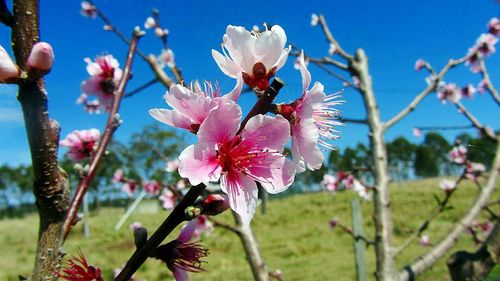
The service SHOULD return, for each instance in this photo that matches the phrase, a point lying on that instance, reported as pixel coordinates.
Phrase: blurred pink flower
(88, 10)
(166, 58)
(473, 170)
(255, 56)
(172, 166)
(89, 106)
(161, 32)
(417, 132)
(485, 44)
(447, 185)
(312, 121)
(333, 222)
(449, 92)
(150, 23)
(481, 86)
(458, 154)
(8, 69)
(239, 160)
(494, 26)
(425, 240)
(329, 182)
(135, 225)
(181, 184)
(202, 227)
(314, 19)
(167, 198)
(468, 91)
(118, 176)
(105, 76)
(80, 144)
(420, 64)
(152, 187)
(129, 187)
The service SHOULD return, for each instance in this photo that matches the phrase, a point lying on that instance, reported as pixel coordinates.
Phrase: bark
(382, 212)
(465, 266)
(252, 250)
(50, 185)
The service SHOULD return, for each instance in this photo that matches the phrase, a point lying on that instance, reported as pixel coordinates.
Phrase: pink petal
(242, 192)
(190, 104)
(198, 164)
(228, 67)
(240, 44)
(171, 118)
(92, 85)
(282, 174)
(306, 75)
(305, 137)
(187, 231)
(236, 91)
(267, 132)
(221, 124)
(180, 274)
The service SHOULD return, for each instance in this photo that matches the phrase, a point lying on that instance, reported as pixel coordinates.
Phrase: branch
(332, 40)
(426, 261)
(6, 16)
(487, 81)
(225, 225)
(140, 88)
(439, 209)
(338, 76)
(176, 217)
(355, 121)
(50, 185)
(349, 231)
(445, 128)
(485, 131)
(159, 73)
(430, 88)
(111, 127)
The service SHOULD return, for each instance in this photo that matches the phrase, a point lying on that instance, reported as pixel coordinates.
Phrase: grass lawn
(294, 237)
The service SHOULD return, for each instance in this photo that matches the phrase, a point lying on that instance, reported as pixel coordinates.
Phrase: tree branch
(332, 40)
(485, 131)
(111, 126)
(430, 88)
(426, 261)
(487, 81)
(140, 88)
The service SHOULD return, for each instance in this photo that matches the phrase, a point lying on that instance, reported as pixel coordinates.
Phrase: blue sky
(393, 33)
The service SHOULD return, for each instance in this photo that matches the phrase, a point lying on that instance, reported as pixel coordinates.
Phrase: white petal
(243, 193)
(228, 67)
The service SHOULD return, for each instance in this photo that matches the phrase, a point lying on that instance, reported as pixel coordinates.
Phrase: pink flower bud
(41, 57)
(8, 69)
(215, 204)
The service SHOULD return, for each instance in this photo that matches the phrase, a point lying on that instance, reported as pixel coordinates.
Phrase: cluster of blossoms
(105, 74)
(479, 228)
(159, 31)
(451, 92)
(484, 46)
(344, 181)
(129, 185)
(458, 155)
(81, 144)
(239, 155)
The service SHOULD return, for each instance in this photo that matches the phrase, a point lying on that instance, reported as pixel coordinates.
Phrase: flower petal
(242, 192)
(282, 175)
(306, 75)
(236, 91)
(269, 46)
(228, 67)
(240, 44)
(221, 124)
(266, 132)
(305, 136)
(187, 231)
(190, 104)
(198, 164)
(171, 118)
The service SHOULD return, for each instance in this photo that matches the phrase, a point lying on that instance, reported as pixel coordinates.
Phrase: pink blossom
(182, 256)
(254, 56)
(88, 10)
(160, 32)
(135, 225)
(312, 120)
(215, 204)
(239, 160)
(473, 60)
(314, 19)
(494, 26)
(8, 69)
(89, 106)
(447, 185)
(425, 240)
(118, 176)
(329, 182)
(481, 86)
(152, 187)
(181, 184)
(167, 198)
(41, 57)
(473, 170)
(81, 144)
(333, 222)
(130, 187)
(420, 64)
(468, 91)
(172, 166)
(191, 106)
(362, 190)
(332, 49)
(203, 227)
(105, 76)
(487, 226)
(166, 58)
(458, 154)
(485, 44)
(449, 92)
(417, 132)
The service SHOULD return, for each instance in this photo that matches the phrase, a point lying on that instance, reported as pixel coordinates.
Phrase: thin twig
(484, 130)
(349, 231)
(224, 225)
(111, 127)
(332, 40)
(351, 120)
(444, 128)
(430, 88)
(438, 210)
(140, 88)
(487, 81)
(346, 82)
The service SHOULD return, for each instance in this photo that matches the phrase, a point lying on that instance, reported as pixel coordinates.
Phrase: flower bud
(41, 58)
(215, 204)
(8, 69)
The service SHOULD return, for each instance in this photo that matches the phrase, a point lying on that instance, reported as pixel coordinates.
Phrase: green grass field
(294, 237)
